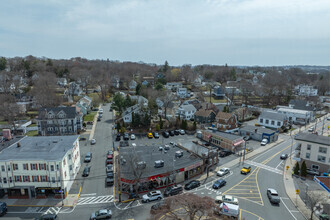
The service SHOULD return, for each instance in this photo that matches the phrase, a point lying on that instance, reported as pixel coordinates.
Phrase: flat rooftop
(251, 128)
(39, 148)
(313, 138)
(149, 154)
(231, 137)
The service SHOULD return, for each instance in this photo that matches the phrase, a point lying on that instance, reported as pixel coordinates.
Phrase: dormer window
(50, 115)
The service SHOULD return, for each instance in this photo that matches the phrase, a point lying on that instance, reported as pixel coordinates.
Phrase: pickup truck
(246, 170)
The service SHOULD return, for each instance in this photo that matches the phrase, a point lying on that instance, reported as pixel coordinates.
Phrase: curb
(68, 206)
(126, 201)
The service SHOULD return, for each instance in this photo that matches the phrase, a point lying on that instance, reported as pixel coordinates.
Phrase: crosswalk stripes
(94, 200)
(53, 210)
(265, 167)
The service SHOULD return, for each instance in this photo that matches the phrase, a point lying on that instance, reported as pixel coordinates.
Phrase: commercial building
(314, 150)
(297, 116)
(39, 167)
(224, 140)
(138, 170)
(272, 119)
(258, 133)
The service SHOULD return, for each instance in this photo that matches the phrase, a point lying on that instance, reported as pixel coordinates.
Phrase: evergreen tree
(138, 89)
(296, 169)
(133, 119)
(165, 67)
(303, 171)
(161, 124)
(118, 126)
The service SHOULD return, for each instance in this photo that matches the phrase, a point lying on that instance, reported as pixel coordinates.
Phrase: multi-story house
(314, 150)
(59, 121)
(226, 121)
(218, 92)
(186, 112)
(173, 85)
(306, 90)
(272, 119)
(40, 167)
(181, 92)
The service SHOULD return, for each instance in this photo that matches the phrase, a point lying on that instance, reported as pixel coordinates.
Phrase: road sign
(297, 191)
(287, 167)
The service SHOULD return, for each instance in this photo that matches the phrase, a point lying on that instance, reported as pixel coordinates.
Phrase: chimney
(18, 144)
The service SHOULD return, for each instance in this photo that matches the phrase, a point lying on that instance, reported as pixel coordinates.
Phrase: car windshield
(97, 213)
(246, 167)
(149, 194)
(223, 169)
(274, 194)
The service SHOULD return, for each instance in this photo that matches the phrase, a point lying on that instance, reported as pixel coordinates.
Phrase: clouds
(181, 31)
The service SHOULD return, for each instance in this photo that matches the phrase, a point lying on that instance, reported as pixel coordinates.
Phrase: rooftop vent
(55, 141)
(18, 144)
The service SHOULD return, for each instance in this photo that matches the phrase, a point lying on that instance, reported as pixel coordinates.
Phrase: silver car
(101, 214)
(223, 171)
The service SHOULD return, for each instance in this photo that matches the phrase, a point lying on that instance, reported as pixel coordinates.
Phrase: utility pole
(323, 125)
(291, 144)
(244, 151)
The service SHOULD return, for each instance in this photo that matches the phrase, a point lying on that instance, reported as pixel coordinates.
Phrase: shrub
(157, 127)
(303, 171)
(296, 169)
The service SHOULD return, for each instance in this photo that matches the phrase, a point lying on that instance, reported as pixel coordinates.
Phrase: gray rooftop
(188, 107)
(69, 111)
(313, 138)
(39, 148)
(150, 154)
(273, 115)
(260, 130)
(231, 137)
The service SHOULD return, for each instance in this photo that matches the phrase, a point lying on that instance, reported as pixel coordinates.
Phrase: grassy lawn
(94, 95)
(3, 122)
(32, 125)
(215, 100)
(32, 133)
(90, 116)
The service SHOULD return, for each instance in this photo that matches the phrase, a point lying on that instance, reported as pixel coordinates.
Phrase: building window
(267, 121)
(273, 123)
(26, 179)
(315, 167)
(43, 178)
(3, 168)
(278, 123)
(261, 120)
(64, 162)
(17, 178)
(42, 166)
(69, 156)
(322, 150)
(57, 167)
(49, 122)
(70, 167)
(308, 155)
(53, 179)
(10, 179)
(15, 166)
(25, 166)
(33, 166)
(51, 167)
(4, 180)
(35, 179)
(309, 147)
(8, 167)
(64, 174)
(321, 158)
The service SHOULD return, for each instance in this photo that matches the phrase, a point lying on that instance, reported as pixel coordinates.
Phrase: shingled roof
(69, 111)
(224, 115)
(204, 113)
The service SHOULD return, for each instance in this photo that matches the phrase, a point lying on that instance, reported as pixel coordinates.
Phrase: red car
(109, 161)
(109, 156)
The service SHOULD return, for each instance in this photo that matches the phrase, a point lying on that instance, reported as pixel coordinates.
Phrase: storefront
(193, 170)
(18, 193)
(224, 140)
(49, 192)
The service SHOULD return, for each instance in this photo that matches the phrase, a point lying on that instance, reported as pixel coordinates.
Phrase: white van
(228, 209)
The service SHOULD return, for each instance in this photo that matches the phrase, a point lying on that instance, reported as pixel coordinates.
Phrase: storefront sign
(22, 192)
(193, 166)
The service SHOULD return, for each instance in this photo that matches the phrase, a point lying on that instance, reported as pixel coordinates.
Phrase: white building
(314, 150)
(296, 116)
(272, 119)
(127, 115)
(40, 167)
(186, 112)
(173, 85)
(305, 90)
(181, 92)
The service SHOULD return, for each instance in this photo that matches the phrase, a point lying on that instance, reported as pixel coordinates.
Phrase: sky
(236, 32)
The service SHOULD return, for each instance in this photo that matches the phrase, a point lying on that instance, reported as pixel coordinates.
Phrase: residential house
(159, 103)
(40, 167)
(85, 104)
(258, 133)
(209, 106)
(132, 85)
(127, 114)
(115, 82)
(204, 116)
(140, 100)
(255, 80)
(243, 113)
(226, 121)
(173, 86)
(145, 83)
(305, 90)
(160, 75)
(182, 93)
(272, 119)
(232, 90)
(74, 89)
(62, 82)
(59, 121)
(218, 92)
(197, 104)
(314, 150)
(186, 112)
(146, 80)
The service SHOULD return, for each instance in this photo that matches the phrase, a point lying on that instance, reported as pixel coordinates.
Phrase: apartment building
(314, 150)
(39, 167)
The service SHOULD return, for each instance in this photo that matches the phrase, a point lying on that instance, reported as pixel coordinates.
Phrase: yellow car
(246, 170)
(150, 135)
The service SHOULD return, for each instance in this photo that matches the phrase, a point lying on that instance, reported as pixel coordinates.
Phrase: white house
(181, 92)
(40, 167)
(127, 114)
(305, 90)
(140, 100)
(186, 111)
(132, 85)
(272, 119)
(173, 85)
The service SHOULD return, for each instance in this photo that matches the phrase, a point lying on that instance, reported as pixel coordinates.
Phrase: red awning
(238, 143)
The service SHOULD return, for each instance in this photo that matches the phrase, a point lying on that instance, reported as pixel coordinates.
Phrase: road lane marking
(287, 208)
(265, 167)
(91, 194)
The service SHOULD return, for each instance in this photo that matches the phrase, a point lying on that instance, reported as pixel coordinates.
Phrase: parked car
(3, 208)
(246, 170)
(150, 135)
(224, 153)
(219, 183)
(88, 157)
(109, 161)
(109, 168)
(165, 134)
(126, 137)
(93, 141)
(273, 196)
(98, 119)
(109, 181)
(171, 133)
(226, 199)
(324, 216)
(110, 174)
(133, 137)
(82, 139)
(192, 184)
(176, 132)
(118, 137)
(264, 142)
(311, 129)
(223, 171)
(151, 196)
(110, 152)
(283, 156)
(101, 111)
(159, 163)
(47, 217)
(313, 172)
(156, 135)
(173, 190)
(157, 206)
(101, 214)
(86, 172)
(182, 132)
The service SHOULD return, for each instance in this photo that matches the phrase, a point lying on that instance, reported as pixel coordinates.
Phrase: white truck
(228, 209)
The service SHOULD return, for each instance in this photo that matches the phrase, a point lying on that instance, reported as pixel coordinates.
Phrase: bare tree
(167, 101)
(9, 110)
(83, 76)
(313, 199)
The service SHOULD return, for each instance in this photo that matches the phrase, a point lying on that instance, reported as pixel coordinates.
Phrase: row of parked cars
(109, 180)
(150, 135)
